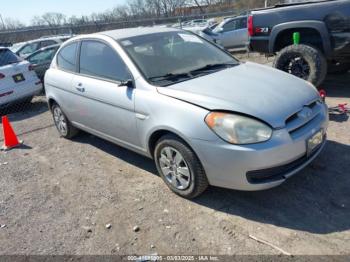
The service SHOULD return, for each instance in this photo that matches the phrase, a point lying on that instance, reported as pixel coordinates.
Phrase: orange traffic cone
(10, 138)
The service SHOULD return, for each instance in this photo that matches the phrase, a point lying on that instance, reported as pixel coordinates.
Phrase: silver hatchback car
(204, 117)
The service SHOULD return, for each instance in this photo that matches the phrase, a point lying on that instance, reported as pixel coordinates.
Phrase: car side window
(100, 60)
(230, 26)
(242, 23)
(47, 43)
(42, 56)
(29, 48)
(66, 58)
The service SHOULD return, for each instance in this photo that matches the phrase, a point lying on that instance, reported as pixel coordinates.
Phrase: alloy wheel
(60, 121)
(299, 67)
(174, 168)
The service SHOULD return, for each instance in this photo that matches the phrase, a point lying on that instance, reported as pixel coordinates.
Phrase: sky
(24, 10)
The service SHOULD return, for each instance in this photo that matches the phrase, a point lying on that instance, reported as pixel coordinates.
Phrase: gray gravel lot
(56, 197)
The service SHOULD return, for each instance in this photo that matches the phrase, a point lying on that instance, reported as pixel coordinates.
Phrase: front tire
(303, 61)
(179, 167)
(64, 127)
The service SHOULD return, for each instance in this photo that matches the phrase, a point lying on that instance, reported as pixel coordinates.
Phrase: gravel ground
(57, 196)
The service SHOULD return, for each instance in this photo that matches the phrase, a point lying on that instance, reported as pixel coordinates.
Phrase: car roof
(49, 47)
(138, 31)
(39, 40)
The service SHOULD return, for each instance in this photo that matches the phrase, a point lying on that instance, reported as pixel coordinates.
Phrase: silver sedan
(203, 116)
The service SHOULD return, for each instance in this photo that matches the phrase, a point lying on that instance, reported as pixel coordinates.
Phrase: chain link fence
(8, 37)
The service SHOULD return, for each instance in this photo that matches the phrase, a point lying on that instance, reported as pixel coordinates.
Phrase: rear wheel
(303, 61)
(179, 167)
(64, 127)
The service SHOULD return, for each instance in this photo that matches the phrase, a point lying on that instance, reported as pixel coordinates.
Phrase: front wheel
(303, 61)
(179, 167)
(64, 127)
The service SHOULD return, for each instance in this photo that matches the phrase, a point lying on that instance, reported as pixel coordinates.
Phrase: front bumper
(259, 166)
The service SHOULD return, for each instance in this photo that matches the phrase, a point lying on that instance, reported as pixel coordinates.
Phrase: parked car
(204, 32)
(24, 49)
(18, 81)
(322, 32)
(210, 36)
(42, 59)
(204, 117)
(213, 26)
(233, 32)
(197, 23)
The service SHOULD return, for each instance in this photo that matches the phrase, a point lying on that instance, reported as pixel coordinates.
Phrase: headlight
(237, 129)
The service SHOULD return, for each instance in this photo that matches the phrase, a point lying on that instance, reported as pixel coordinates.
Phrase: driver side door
(103, 106)
(228, 34)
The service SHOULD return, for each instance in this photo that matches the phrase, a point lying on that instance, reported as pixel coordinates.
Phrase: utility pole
(2, 21)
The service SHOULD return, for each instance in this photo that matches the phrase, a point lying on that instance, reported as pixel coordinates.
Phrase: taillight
(30, 67)
(250, 25)
(2, 76)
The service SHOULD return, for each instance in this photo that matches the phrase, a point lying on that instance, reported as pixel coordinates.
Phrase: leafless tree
(12, 23)
(145, 9)
(54, 19)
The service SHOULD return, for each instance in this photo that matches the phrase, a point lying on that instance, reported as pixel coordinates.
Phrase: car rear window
(7, 57)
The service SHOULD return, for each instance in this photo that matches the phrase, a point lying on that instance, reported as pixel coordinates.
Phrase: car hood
(252, 89)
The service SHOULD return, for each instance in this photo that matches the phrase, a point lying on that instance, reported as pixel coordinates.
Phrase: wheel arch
(51, 101)
(158, 133)
(311, 26)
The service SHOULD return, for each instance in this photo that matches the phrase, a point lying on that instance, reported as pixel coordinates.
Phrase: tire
(340, 68)
(197, 179)
(64, 127)
(303, 61)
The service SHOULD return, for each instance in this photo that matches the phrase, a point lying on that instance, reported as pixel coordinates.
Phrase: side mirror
(127, 83)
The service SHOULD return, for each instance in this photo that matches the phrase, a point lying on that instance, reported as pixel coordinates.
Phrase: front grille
(278, 173)
(297, 121)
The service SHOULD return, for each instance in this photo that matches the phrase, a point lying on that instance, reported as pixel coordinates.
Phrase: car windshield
(167, 58)
(7, 57)
(16, 47)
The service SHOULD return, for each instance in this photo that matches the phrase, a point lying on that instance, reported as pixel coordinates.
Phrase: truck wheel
(340, 68)
(303, 61)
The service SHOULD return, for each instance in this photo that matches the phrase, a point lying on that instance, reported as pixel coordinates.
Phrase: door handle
(80, 88)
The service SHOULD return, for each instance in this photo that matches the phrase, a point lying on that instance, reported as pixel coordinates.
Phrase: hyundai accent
(203, 116)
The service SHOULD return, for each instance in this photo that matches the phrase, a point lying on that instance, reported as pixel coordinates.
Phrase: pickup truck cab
(323, 30)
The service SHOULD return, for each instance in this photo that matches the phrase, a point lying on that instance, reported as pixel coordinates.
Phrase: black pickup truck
(309, 38)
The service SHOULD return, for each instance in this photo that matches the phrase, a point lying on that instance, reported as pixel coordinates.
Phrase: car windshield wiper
(211, 67)
(170, 77)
